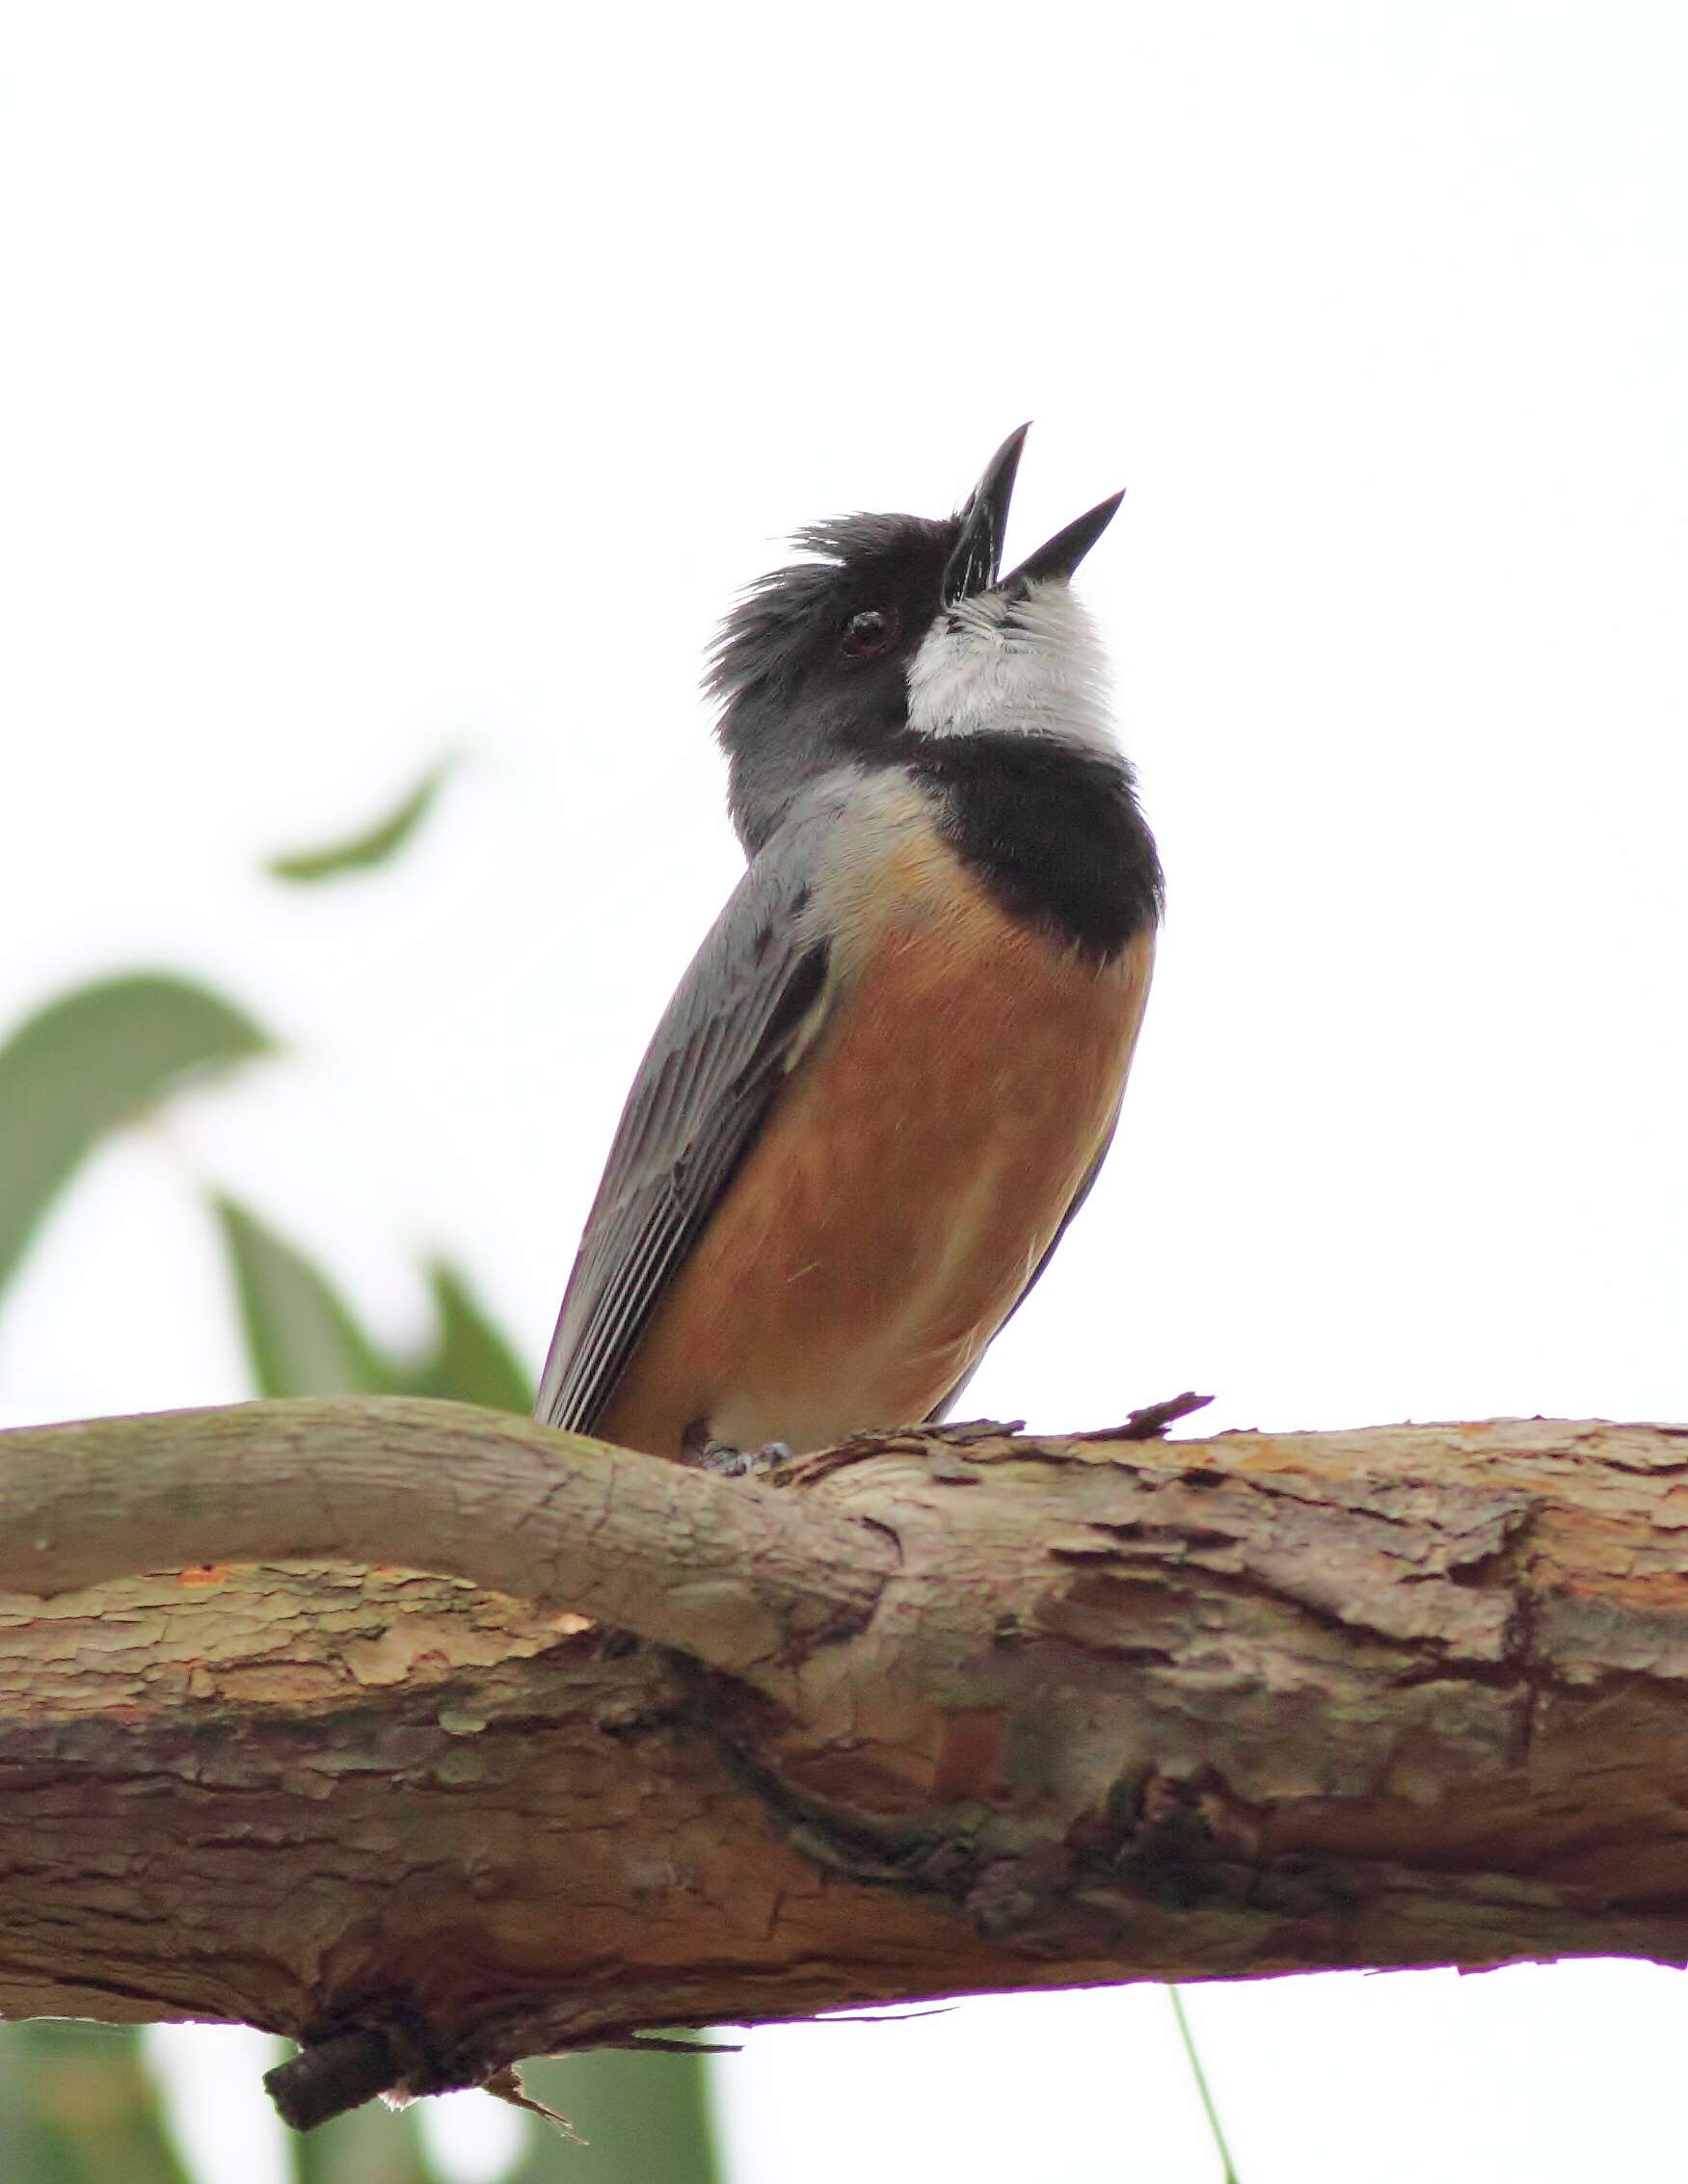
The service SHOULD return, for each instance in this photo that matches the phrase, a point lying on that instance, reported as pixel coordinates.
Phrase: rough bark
(935, 1714)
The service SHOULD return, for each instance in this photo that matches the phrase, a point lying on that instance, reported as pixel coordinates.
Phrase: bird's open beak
(977, 556)
(1059, 556)
(978, 551)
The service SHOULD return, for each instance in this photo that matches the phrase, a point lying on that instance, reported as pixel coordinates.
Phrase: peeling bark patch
(970, 1752)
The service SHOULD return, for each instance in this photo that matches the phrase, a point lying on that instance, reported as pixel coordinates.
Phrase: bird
(887, 1081)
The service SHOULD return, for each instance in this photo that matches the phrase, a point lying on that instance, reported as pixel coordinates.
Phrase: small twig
(332, 2077)
(1149, 1424)
(664, 2044)
(506, 2085)
(877, 2016)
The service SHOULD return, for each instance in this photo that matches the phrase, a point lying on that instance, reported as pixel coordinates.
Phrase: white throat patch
(1026, 666)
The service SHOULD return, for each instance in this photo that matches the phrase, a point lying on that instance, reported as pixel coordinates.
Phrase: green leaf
(79, 2105)
(301, 1336)
(471, 1360)
(91, 1061)
(305, 1339)
(362, 852)
(642, 2116)
(372, 2145)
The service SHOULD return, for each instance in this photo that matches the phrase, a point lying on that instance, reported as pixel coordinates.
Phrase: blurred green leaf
(471, 1360)
(79, 2105)
(302, 1337)
(300, 1334)
(645, 2118)
(362, 852)
(91, 1061)
(372, 2145)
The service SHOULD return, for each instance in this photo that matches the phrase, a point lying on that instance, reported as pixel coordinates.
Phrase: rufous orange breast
(909, 1178)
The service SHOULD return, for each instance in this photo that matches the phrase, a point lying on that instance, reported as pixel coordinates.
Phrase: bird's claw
(744, 1463)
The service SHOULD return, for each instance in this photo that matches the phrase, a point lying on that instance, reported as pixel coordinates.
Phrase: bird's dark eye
(868, 633)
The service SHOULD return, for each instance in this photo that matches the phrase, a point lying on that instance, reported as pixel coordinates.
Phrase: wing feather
(708, 1076)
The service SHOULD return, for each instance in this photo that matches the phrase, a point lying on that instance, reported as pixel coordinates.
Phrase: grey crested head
(900, 628)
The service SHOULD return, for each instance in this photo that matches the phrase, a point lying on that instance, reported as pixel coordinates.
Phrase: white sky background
(384, 379)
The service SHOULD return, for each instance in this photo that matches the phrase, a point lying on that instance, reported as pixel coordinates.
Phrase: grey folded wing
(712, 1070)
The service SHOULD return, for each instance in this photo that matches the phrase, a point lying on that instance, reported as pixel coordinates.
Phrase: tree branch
(936, 1713)
(675, 1554)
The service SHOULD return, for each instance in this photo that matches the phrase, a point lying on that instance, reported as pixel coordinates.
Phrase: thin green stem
(1201, 2085)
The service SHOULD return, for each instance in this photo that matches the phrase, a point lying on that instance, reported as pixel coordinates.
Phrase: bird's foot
(742, 1463)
